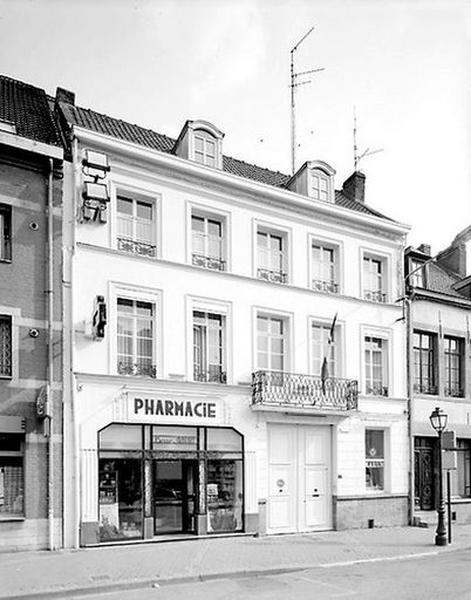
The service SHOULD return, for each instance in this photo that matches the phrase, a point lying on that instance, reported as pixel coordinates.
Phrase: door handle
(315, 495)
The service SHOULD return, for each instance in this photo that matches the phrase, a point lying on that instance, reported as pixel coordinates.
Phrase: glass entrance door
(174, 496)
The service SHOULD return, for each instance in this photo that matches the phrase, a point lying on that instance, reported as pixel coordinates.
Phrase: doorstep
(158, 539)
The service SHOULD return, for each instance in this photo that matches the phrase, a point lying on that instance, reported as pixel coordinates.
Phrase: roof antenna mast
(367, 152)
(294, 84)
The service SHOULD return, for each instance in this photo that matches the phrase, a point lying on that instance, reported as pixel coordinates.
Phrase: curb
(245, 573)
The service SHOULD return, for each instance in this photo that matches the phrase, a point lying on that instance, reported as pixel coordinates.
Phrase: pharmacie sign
(145, 407)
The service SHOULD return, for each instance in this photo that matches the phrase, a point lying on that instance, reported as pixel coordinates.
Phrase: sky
(404, 65)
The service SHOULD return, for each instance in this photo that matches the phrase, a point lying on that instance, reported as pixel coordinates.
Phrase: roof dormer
(200, 141)
(314, 179)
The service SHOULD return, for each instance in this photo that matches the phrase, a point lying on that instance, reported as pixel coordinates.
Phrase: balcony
(273, 276)
(425, 388)
(377, 389)
(212, 375)
(454, 392)
(329, 287)
(374, 296)
(136, 247)
(208, 262)
(277, 389)
(137, 369)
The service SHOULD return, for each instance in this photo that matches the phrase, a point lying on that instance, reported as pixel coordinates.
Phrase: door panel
(300, 497)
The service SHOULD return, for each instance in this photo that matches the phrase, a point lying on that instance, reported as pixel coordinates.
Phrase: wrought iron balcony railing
(211, 375)
(136, 247)
(274, 276)
(374, 295)
(425, 388)
(274, 388)
(320, 285)
(143, 369)
(454, 392)
(208, 262)
(377, 390)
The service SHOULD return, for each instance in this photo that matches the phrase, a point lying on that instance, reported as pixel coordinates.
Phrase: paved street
(428, 577)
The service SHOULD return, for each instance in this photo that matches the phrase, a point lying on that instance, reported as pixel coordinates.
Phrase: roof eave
(275, 193)
(22, 143)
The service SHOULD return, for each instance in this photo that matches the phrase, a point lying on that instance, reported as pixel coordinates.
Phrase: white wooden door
(315, 499)
(299, 478)
(282, 484)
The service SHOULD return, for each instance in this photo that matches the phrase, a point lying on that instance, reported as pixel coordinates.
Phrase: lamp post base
(440, 539)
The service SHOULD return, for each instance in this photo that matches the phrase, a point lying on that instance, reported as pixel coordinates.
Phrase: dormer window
(314, 179)
(201, 142)
(205, 149)
(319, 186)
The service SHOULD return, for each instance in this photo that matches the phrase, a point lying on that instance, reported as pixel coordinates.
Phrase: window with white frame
(324, 268)
(374, 279)
(135, 225)
(271, 343)
(209, 347)
(136, 337)
(374, 459)
(271, 256)
(208, 242)
(454, 355)
(417, 273)
(205, 148)
(324, 346)
(461, 478)
(5, 232)
(6, 362)
(319, 186)
(376, 366)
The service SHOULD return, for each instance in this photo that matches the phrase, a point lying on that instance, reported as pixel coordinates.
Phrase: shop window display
(11, 476)
(224, 495)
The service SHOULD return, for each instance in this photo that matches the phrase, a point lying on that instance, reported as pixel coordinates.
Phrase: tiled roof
(94, 121)
(27, 108)
(441, 281)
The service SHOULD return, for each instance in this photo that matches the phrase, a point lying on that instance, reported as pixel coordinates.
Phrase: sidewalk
(60, 574)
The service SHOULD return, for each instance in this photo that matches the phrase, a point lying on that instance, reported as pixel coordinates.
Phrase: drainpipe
(410, 399)
(50, 357)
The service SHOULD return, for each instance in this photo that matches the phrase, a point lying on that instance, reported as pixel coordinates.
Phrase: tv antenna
(294, 84)
(367, 152)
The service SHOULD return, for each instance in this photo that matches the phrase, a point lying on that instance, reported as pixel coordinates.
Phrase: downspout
(410, 399)
(74, 425)
(50, 357)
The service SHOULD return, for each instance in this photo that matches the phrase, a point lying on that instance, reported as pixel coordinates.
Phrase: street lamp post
(438, 420)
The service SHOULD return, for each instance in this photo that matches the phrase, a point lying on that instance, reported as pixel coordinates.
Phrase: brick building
(30, 320)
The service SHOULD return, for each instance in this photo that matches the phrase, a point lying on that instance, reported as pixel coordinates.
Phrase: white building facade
(203, 298)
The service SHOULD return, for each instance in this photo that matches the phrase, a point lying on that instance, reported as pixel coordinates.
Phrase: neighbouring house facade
(439, 290)
(30, 320)
(237, 362)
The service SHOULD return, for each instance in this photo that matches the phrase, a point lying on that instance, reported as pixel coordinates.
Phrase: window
(135, 337)
(319, 186)
(324, 269)
(136, 226)
(208, 242)
(417, 273)
(271, 259)
(5, 346)
(374, 459)
(5, 232)
(463, 471)
(205, 149)
(11, 476)
(424, 363)
(271, 343)
(209, 347)
(321, 347)
(453, 366)
(373, 279)
(376, 366)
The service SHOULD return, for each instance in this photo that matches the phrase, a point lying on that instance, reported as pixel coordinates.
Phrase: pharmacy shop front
(168, 467)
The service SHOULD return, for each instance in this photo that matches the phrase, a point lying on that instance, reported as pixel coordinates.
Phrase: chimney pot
(354, 187)
(425, 249)
(63, 95)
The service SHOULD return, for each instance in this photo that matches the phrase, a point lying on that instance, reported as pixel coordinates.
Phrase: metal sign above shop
(140, 406)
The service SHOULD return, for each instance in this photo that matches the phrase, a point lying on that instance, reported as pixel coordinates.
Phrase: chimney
(354, 187)
(63, 95)
(425, 249)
